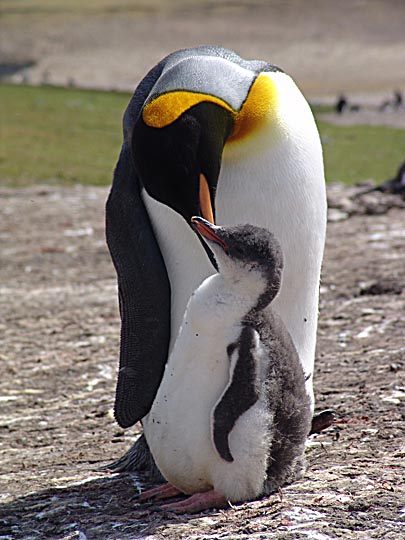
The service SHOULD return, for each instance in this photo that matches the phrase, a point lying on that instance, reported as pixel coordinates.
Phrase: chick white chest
(178, 427)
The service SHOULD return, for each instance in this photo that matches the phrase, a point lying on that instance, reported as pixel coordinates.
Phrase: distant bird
(208, 134)
(394, 185)
(398, 100)
(231, 416)
(341, 104)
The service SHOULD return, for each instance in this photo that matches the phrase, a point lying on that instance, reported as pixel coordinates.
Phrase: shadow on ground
(96, 509)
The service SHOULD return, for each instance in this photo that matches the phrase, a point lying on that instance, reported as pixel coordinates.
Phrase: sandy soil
(60, 330)
(327, 46)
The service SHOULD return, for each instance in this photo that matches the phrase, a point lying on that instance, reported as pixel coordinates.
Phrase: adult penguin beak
(205, 200)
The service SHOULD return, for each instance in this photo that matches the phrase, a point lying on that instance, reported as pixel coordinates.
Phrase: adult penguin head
(197, 104)
(179, 163)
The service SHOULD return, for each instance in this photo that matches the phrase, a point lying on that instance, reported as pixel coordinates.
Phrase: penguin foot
(197, 503)
(166, 491)
(322, 420)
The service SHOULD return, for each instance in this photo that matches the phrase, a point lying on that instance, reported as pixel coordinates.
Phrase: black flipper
(241, 393)
(144, 295)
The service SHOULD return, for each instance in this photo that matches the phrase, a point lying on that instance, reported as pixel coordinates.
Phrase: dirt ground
(60, 333)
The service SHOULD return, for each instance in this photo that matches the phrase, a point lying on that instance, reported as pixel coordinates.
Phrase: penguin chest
(178, 427)
(186, 262)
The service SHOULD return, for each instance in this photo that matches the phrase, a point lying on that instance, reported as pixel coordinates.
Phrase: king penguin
(208, 134)
(231, 416)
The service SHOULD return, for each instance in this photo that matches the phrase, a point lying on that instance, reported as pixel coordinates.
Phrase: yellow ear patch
(166, 108)
(261, 99)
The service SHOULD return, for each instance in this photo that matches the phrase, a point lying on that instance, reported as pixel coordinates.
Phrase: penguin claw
(197, 503)
(159, 493)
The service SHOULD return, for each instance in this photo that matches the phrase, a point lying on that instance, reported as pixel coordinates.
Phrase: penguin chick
(231, 416)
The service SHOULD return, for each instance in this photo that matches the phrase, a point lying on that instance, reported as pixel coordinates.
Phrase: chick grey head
(245, 253)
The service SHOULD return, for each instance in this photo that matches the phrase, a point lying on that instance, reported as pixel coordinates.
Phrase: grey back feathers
(286, 397)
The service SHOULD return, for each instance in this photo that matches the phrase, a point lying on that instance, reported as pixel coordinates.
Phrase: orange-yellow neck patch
(260, 102)
(261, 99)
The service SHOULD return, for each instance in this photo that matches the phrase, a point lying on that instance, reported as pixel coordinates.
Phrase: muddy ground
(60, 333)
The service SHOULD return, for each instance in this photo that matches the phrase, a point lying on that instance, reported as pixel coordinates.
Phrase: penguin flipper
(240, 394)
(144, 295)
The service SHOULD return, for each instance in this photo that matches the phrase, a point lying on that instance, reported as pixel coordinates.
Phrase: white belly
(178, 427)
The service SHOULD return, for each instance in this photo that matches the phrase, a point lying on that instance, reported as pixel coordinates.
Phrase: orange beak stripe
(205, 200)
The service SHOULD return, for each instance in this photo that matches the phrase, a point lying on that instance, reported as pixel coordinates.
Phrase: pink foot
(165, 491)
(197, 503)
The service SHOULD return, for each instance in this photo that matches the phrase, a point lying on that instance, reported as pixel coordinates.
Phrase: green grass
(359, 152)
(59, 135)
(68, 136)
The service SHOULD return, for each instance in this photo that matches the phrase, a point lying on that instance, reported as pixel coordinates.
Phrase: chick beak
(208, 231)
